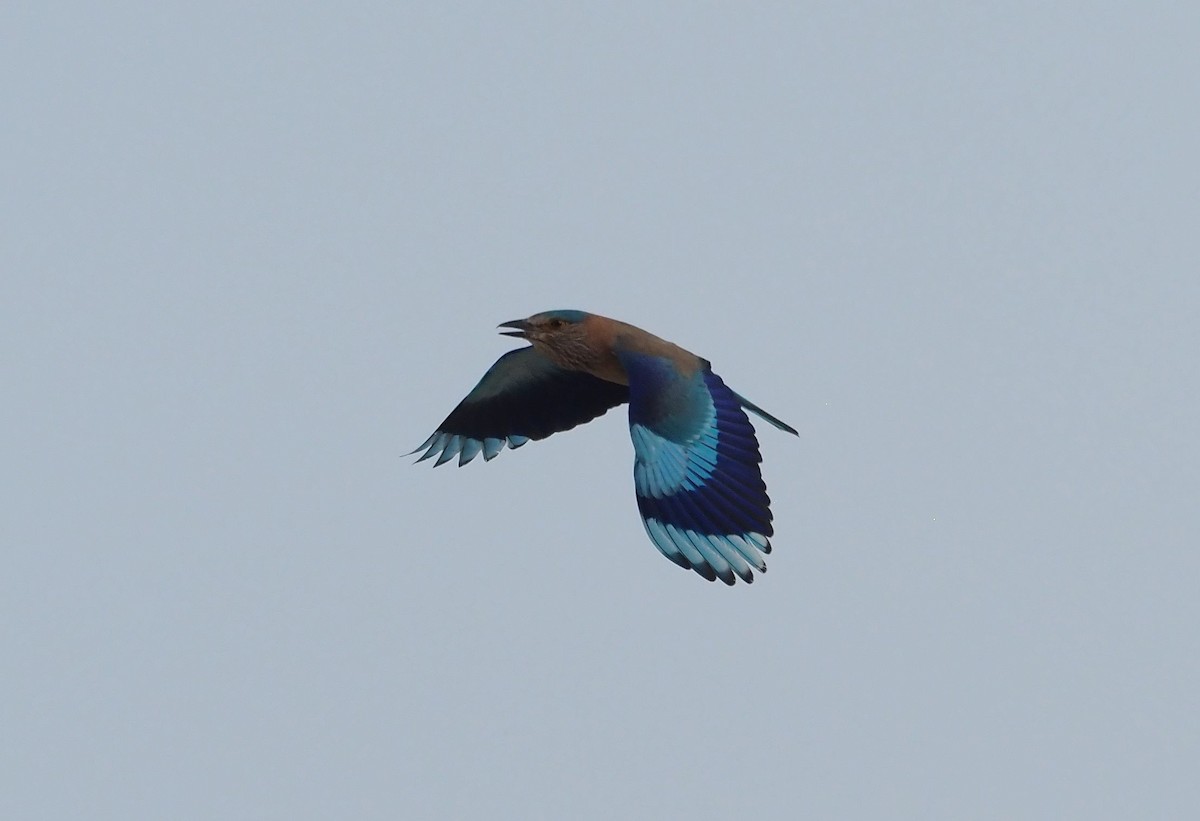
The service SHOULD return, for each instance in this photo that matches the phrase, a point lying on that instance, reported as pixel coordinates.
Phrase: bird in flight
(695, 471)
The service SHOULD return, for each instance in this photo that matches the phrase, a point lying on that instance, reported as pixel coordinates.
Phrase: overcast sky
(251, 254)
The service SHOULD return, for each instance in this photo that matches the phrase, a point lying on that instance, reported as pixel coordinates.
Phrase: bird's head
(560, 335)
(547, 326)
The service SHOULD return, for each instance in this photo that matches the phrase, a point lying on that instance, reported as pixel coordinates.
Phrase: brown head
(563, 337)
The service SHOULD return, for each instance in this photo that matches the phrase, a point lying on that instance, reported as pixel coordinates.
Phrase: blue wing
(523, 396)
(699, 488)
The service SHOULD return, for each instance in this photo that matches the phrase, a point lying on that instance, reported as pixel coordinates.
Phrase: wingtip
(422, 447)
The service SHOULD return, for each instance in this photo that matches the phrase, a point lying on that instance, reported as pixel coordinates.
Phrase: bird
(696, 473)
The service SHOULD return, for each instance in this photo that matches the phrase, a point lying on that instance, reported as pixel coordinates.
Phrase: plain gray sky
(252, 253)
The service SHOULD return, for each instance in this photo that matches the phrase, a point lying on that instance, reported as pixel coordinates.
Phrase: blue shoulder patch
(674, 406)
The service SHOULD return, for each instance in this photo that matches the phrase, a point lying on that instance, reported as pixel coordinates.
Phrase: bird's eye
(555, 324)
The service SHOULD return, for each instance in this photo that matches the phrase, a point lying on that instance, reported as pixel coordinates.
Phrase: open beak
(521, 326)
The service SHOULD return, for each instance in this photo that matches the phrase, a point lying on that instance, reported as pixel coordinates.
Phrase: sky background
(251, 254)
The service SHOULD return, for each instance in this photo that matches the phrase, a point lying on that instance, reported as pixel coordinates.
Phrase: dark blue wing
(523, 396)
(699, 488)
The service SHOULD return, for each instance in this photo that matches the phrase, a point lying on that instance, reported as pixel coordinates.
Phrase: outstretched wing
(699, 488)
(523, 396)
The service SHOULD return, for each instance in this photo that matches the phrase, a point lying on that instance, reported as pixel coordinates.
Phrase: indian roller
(695, 472)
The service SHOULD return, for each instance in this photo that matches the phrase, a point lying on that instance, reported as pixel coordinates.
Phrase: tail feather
(750, 406)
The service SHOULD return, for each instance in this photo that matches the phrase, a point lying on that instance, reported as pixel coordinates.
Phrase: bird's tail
(750, 406)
